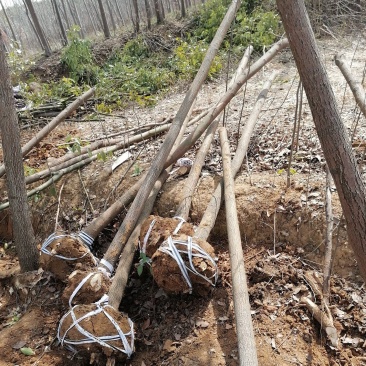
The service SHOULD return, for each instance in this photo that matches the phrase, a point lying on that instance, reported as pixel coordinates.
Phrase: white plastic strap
(52, 237)
(107, 265)
(146, 237)
(86, 238)
(79, 286)
(169, 247)
(90, 338)
(181, 222)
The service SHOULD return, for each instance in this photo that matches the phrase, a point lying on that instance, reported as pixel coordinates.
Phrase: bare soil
(282, 236)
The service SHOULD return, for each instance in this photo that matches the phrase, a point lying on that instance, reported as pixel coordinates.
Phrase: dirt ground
(282, 237)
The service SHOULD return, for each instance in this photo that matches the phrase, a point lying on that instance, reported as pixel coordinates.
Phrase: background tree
(106, 31)
(10, 135)
(39, 30)
(330, 129)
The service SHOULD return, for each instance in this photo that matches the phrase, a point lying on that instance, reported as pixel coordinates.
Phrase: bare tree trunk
(10, 134)
(137, 17)
(157, 165)
(9, 23)
(38, 28)
(183, 8)
(65, 14)
(107, 34)
(159, 16)
(62, 28)
(331, 131)
(243, 318)
(112, 17)
(75, 16)
(148, 14)
(90, 17)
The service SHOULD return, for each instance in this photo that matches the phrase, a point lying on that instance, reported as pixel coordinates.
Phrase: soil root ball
(62, 254)
(85, 287)
(96, 328)
(198, 270)
(155, 230)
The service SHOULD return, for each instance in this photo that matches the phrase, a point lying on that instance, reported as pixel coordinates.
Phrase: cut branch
(56, 121)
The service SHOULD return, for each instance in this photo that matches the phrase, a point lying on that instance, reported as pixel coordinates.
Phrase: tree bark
(62, 28)
(243, 318)
(137, 17)
(148, 14)
(10, 135)
(9, 23)
(159, 16)
(330, 129)
(38, 28)
(107, 34)
(183, 9)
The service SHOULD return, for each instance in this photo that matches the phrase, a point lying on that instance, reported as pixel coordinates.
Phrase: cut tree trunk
(127, 226)
(209, 217)
(330, 129)
(243, 318)
(10, 135)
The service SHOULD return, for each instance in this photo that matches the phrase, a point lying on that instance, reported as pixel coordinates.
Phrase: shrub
(78, 59)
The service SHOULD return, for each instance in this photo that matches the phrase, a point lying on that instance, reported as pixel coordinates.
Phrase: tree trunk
(159, 16)
(157, 165)
(92, 22)
(183, 8)
(62, 28)
(10, 134)
(331, 131)
(137, 17)
(9, 23)
(38, 28)
(148, 14)
(112, 17)
(65, 14)
(107, 34)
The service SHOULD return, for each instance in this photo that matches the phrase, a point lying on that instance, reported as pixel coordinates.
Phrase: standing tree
(137, 17)
(37, 26)
(107, 34)
(330, 129)
(158, 12)
(148, 14)
(183, 9)
(9, 23)
(62, 28)
(10, 134)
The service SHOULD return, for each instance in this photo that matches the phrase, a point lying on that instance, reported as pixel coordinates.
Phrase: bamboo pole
(55, 122)
(243, 319)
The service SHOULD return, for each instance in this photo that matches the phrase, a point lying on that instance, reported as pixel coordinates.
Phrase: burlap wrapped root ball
(169, 277)
(76, 254)
(162, 229)
(99, 326)
(95, 285)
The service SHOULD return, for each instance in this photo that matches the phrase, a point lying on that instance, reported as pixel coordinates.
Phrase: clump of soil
(168, 275)
(74, 252)
(162, 229)
(99, 325)
(95, 286)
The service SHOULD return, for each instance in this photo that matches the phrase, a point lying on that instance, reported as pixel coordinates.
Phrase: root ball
(97, 322)
(169, 277)
(95, 286)
(65, 254)
(162, 229)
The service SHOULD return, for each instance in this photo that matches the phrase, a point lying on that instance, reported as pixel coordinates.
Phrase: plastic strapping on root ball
(86, 238)
(181, 222)
(52, 237)
(170, 247)
(90, 338)
(147, 235)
